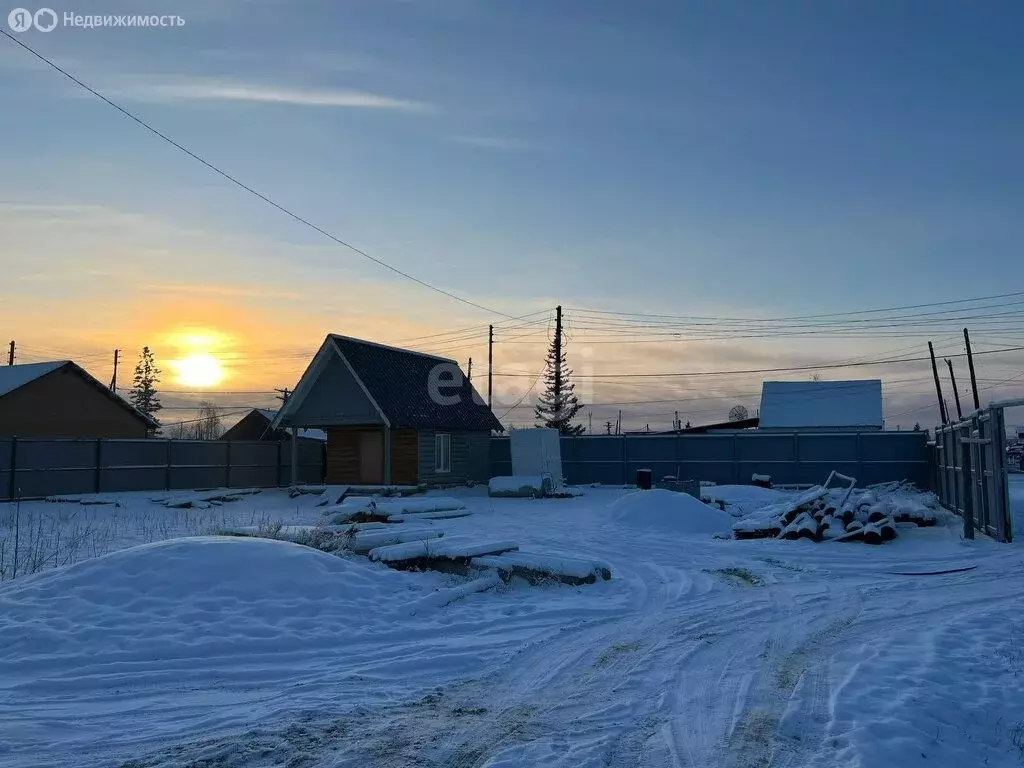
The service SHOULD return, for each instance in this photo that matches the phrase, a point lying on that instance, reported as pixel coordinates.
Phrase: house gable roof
(14, 377)
(855, 403)
(411, 390)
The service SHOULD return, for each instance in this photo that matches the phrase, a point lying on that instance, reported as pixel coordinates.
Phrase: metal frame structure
(971, 470)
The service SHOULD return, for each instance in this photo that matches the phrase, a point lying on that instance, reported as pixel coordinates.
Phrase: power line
(525, 395)
(245, 187)
(768, 370)
(796, 317)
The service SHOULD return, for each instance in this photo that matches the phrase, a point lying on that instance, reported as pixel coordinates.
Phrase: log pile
(818, 517)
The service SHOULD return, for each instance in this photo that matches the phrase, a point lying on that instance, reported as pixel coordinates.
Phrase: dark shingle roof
(405, 386)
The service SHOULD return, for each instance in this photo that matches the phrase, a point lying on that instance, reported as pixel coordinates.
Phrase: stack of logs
(865, 519)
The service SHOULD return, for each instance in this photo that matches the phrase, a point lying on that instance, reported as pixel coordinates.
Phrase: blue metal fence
(789, 457)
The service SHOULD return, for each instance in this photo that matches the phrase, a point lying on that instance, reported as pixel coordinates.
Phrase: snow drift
(668, 510)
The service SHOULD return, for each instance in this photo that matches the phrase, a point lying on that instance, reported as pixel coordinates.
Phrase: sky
(726, 159)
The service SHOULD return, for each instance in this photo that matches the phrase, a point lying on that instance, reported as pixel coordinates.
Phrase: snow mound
(668, 510)
(173, 599)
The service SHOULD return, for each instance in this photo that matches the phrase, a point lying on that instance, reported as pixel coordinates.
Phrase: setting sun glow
(198, 370)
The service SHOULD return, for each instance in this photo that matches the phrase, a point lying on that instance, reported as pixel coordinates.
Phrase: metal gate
(971, 466)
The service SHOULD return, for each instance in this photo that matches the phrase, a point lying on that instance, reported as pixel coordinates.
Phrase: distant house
(256, 425)
(821, 405)
(60, 399)
(391, 415)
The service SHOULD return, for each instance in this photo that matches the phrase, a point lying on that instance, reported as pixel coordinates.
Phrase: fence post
(167, 468)
(12, 486)
(859, 448)
(735, 458)
(277, 469)
(99, 464)
(796, 457)
(625, 472)
(227, 464)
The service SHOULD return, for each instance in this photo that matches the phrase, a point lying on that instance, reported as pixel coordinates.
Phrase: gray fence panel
(196, 452)
(788, 457)
(133, 479)
(134, 453)
(50, 467)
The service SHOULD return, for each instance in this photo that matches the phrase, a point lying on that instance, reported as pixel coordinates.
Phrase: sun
(198, 370)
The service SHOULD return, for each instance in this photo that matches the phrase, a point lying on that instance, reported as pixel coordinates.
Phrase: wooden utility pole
(590, 422)
(970, 365)
(490, 364)
(956, 392)
(938, 387)
(283, 394)
(608, 427)
(557, 392)
(469, 372)
(10, 353)
(113, 379)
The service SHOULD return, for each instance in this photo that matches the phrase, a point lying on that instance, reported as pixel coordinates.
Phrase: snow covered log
(907, 511)
(538, 567)
(405, 506)
(443, 597)
(804, 526)
(332, 495)
(422, 553)
(202, 499)
(520, 486)
(443, 514)
(364, 541)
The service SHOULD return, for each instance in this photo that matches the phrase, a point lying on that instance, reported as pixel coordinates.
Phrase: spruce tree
(143, 394)
(559, 404)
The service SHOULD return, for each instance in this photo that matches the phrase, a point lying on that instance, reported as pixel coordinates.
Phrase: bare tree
(738, 413)
(208, 424)
(815, 377)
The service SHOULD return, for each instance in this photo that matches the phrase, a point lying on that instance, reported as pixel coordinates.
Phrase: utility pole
(490, 363)
(557, 392)
(283, 394)
(469, 373)
(956, 392)
(618, 423)
(938, 387)
(10, 353)
(113, 379)
(590, 422)
(970, 365)
(608, 427)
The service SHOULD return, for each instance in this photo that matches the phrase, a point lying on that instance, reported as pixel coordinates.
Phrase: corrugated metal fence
(44, 467)
(789, 457)
(971, 471)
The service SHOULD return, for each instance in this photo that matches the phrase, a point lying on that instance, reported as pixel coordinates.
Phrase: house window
(442, 453)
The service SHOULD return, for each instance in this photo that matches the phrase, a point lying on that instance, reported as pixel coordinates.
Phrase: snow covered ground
(700, 651)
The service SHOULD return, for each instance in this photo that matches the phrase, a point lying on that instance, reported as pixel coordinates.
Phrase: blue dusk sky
(721, 159)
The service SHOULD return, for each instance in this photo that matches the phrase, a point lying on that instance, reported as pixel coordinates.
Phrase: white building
(832, 406)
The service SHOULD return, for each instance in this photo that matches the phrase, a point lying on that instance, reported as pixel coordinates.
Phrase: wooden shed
(61, 399)
(392, 416)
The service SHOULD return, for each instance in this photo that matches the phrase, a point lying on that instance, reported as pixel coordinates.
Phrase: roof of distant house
(312, 434)
(855, 403)
(14, 377)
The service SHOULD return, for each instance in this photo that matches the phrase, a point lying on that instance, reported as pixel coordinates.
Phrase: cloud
(201, 90)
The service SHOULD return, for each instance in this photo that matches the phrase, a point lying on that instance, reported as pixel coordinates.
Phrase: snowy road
(799, 654)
